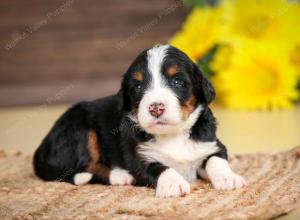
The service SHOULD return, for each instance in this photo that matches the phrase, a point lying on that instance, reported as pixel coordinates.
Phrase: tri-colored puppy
(157, 131)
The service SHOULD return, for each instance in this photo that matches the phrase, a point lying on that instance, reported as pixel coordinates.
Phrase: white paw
(82, 178)
(120, 177)
(221, 175)
(228, 181)
(171, 184)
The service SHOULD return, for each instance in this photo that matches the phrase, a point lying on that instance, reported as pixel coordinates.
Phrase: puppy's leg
(102, 174)
(221, 175)
(171, 184)
(96, 171)
(168, 182)
(217, 170)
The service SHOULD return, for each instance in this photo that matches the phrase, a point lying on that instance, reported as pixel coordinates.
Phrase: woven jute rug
(273, 190)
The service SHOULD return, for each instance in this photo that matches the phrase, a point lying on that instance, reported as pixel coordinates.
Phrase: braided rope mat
(273, 190)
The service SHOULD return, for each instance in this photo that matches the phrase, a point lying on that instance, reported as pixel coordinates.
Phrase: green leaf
(201, 3)
(205, 61)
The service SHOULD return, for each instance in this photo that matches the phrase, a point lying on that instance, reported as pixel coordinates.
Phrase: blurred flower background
(250, 49)
(55, 53)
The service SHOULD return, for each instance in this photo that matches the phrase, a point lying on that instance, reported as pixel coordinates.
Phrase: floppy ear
(205, 90)
(123, 94)
(208, 90)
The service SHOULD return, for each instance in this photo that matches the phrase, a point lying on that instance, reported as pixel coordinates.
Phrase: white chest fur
(179, 152)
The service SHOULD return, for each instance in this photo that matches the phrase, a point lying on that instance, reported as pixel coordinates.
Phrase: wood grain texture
(273, 190)
(55, 40)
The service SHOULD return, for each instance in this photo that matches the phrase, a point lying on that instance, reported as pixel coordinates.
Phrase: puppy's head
(164, 91)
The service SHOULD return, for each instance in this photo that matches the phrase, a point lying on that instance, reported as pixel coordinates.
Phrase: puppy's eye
(176, 82)
(138, 87)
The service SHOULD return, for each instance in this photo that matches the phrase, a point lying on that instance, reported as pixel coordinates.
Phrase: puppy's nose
(156, 109)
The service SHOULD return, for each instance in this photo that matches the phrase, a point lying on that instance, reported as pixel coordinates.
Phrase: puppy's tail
(69, 176)
(48, 172)
(77, 176)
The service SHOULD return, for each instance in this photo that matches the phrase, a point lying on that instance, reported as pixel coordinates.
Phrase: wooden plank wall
(76, 49)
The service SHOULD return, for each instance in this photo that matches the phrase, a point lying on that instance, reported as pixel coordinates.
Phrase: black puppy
(157, 131)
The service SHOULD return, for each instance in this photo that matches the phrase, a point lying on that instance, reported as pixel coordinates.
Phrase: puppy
(157, 131)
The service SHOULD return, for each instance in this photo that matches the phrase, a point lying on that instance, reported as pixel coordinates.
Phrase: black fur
(64, 151)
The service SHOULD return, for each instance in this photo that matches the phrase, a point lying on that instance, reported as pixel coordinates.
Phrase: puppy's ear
(208, 90)
(205, 90)
(124, 94)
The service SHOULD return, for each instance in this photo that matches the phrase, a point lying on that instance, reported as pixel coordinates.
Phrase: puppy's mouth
(160, 122)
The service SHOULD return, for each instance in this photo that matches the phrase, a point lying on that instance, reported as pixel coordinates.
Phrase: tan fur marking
(93, 146)
(95, 166)
(138, 76)
(172, 70)
(188, 107)
(99, 169)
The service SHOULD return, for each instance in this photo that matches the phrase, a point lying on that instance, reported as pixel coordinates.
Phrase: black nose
(156, 109)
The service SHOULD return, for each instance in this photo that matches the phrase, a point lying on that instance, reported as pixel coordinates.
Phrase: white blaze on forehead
(155, 58)
(159, 92)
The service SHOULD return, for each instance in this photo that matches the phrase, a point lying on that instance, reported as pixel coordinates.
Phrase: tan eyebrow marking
(139, 76)
(172, 70)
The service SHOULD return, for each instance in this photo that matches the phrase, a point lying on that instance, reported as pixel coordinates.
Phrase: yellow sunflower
(262, 20)
(295, 57)
(257, 78)
(199, 32)
(222, 58)
(221, 61)
(294, 49)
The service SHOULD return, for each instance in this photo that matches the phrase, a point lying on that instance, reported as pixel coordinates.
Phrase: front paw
(171, 184)
(228, 181)
(221, 175)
